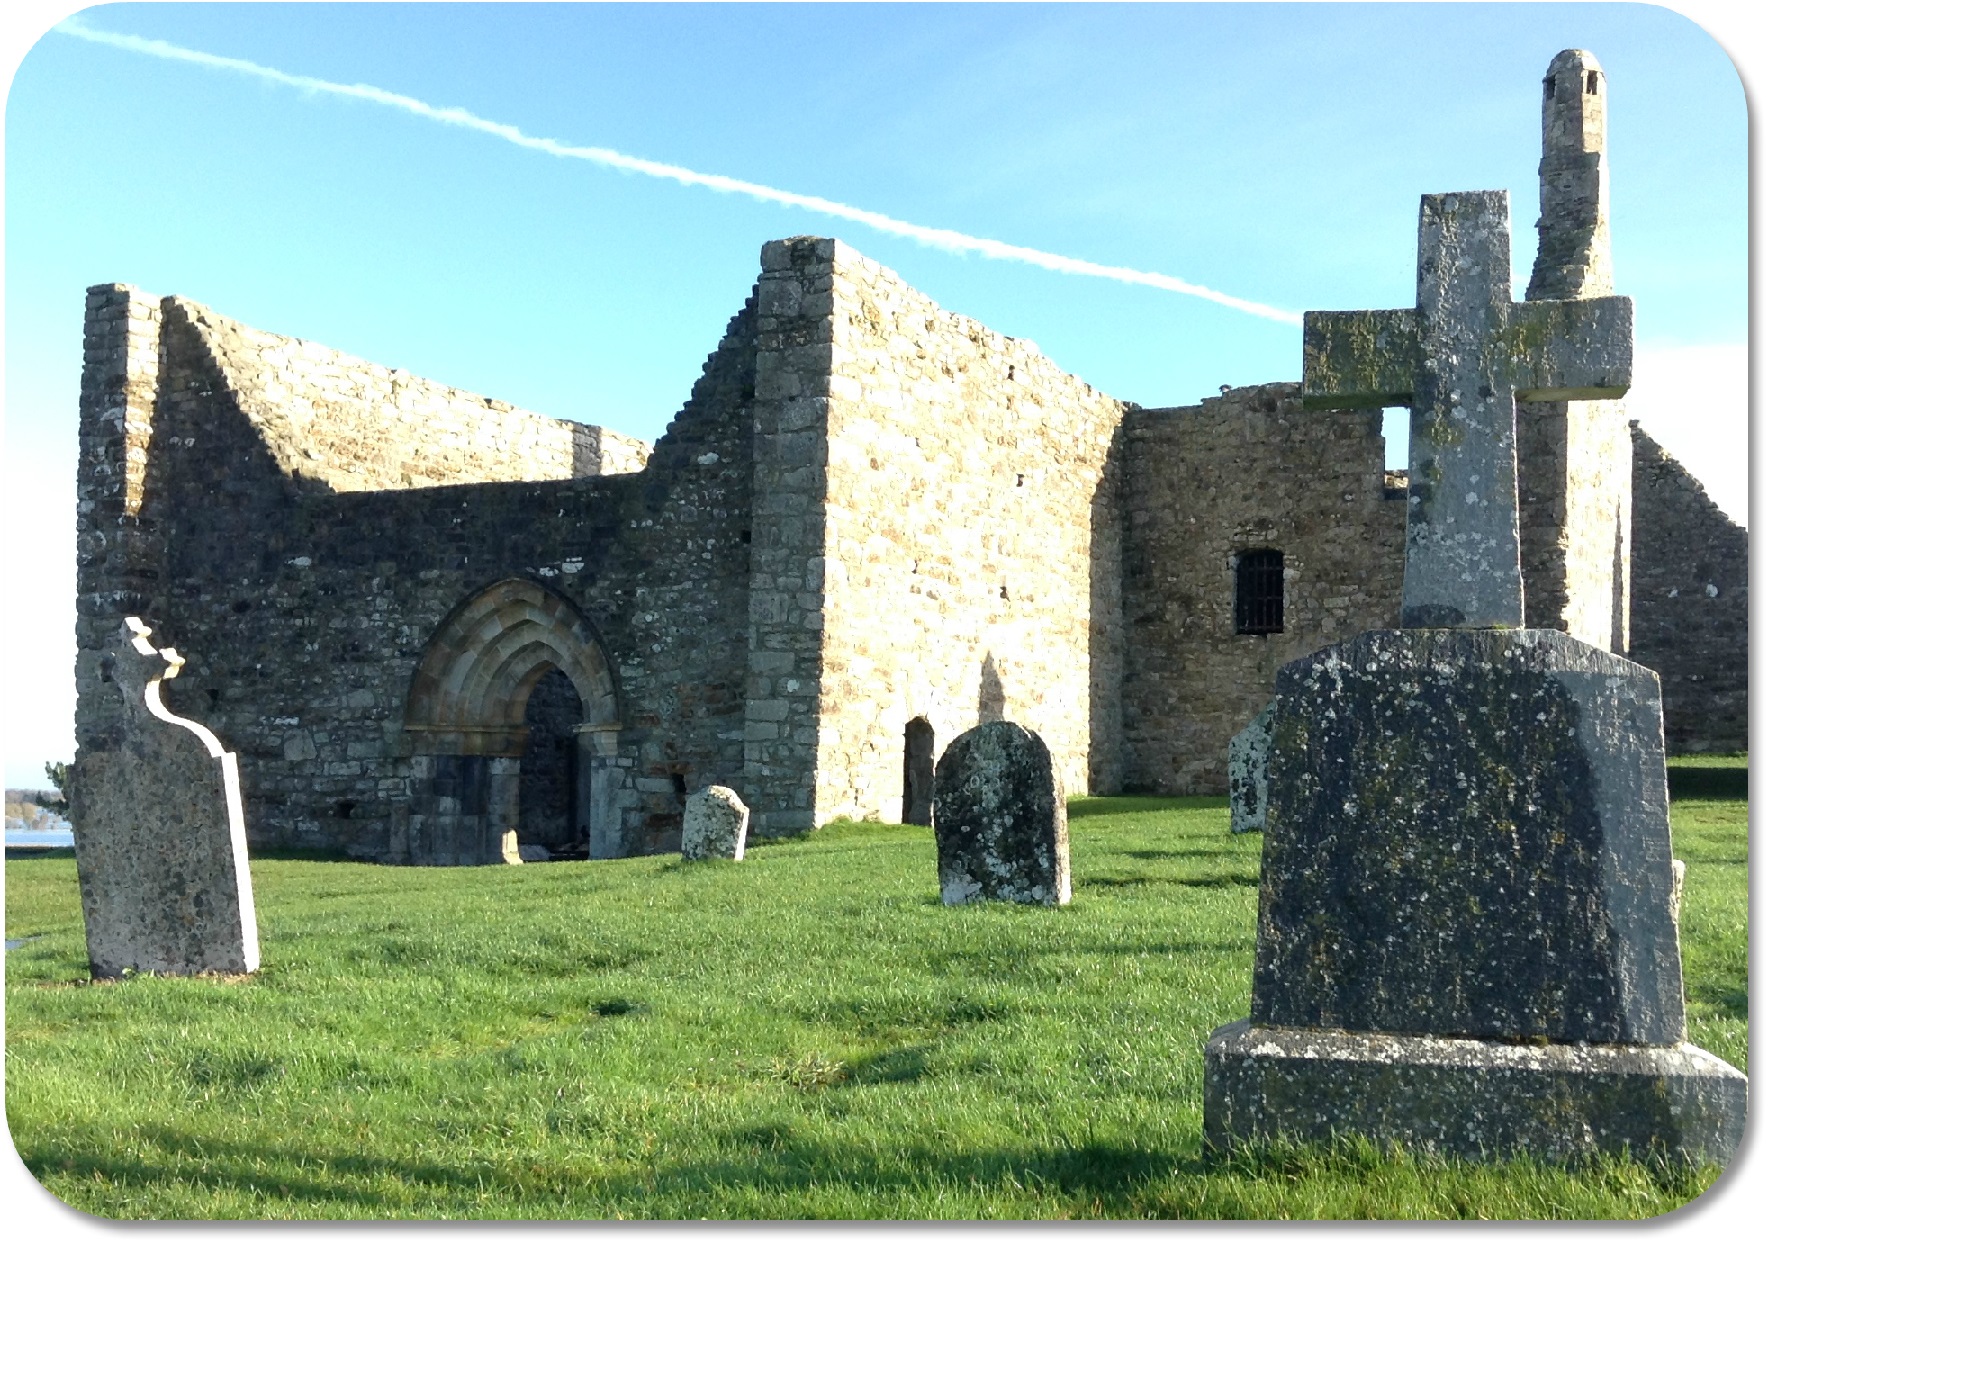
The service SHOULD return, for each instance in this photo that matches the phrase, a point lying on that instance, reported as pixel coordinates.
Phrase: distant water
(59, 839)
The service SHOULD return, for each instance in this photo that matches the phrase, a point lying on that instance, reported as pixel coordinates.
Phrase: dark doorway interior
(552, 779)
(917, 788)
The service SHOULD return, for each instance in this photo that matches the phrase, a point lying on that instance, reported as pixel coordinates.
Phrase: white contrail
(611, 158)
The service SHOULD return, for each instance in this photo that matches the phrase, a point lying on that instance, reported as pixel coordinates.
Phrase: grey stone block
(1000, 832)
(1469, 835)
(1469, 1098)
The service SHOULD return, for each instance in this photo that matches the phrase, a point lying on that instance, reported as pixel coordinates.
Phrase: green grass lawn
(806, 1034)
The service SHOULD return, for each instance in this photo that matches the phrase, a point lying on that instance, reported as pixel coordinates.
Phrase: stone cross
(160, 847)
(1460, 360)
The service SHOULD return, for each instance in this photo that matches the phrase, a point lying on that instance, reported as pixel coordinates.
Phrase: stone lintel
(1470, 1098)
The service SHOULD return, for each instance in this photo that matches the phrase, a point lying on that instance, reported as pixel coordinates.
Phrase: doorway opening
(917, 782)
(552, 778)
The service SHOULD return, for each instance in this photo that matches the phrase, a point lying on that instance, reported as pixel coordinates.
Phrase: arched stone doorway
(513, 665)
(917, 781)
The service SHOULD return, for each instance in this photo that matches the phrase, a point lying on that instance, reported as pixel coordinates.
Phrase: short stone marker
(1466, 940)
(1248, 773)
(160, 845)
(999, 826)
(715, 823)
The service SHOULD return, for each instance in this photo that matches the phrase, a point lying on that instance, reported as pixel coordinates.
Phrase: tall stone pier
(1575, 456)
(1466, 938)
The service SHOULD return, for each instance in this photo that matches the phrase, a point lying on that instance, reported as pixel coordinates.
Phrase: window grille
(1258, 592)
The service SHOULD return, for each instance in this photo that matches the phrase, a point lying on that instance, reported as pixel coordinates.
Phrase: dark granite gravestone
(160, 847)
(1467, 939)
(999, 825)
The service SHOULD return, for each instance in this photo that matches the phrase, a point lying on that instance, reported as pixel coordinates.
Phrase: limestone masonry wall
(870, 512)
(967, 534)
(304, 612)
(1688, 603)
(1249, 469)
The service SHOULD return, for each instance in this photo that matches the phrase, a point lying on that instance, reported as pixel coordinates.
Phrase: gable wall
(968, 554)
(1689, 602)
(303, 611)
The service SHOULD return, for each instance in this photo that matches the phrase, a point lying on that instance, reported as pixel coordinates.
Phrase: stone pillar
(118, 543)
(787, 550)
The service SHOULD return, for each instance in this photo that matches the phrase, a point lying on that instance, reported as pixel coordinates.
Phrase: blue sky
(1274, 153)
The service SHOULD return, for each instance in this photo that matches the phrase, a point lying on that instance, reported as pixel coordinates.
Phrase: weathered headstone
(999, 826)
(1248, 773)
(160, 845)
(1466, 940)
(715, 823)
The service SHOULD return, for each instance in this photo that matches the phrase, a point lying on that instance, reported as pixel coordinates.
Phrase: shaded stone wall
(349, 424)
(1249, 469)
(303, 612)
(1688, 602)
(967, 536)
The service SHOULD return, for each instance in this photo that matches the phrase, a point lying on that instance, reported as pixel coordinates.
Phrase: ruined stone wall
(1249, 469)
(119, 535)
(968, 535)
(1688, 602)
(349, 424)
(303, 612)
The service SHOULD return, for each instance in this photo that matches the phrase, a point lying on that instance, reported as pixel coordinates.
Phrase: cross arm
(1359, 359)
(1573, 348)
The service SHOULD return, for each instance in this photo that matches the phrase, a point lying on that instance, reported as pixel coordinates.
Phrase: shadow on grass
(1085, 807)
(1698, 783)
(1090, 880)
(771, 1168)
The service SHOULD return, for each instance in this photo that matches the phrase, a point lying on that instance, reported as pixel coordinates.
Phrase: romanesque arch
(466, 721)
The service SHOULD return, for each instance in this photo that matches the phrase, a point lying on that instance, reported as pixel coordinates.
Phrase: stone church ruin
(427, 619)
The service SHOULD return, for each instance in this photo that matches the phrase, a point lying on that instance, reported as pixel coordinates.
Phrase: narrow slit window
(1258, 592)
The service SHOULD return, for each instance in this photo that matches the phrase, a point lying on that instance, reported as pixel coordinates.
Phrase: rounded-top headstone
(999, 824)
(715, 822)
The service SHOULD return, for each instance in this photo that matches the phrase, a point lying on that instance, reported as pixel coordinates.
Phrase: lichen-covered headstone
(715, 822)
(999, 826)
(1466, 937)
(1248, 773)
(160, 846)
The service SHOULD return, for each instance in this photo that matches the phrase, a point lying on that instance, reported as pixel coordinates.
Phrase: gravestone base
(1473, 1099)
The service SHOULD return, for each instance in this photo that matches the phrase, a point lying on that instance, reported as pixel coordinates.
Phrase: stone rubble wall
(350, 425)
(968, 536)
(1689, 601)
(303, 612)
(1250, 469)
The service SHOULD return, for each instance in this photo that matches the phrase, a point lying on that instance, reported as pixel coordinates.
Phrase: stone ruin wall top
(348, 424)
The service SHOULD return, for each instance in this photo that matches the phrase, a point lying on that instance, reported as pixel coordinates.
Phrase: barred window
(1258, 592)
